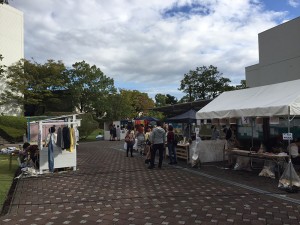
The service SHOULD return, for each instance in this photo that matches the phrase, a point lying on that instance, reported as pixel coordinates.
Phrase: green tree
(137, 102)
(89, 86)
(171, 100)
(32, 83)
(3, 1)
(2, 67)
(160, 100)
(204, 83)
(242, 85)
(88, 125)
(163, 100)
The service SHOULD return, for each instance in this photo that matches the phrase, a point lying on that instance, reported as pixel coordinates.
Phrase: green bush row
(17, 122)
(12, 128)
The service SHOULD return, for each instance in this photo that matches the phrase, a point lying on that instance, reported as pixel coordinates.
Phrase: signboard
(287, 136)
(245, 120)
(197, 130)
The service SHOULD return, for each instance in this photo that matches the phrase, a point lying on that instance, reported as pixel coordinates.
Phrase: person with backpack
(129, 139)
(171, 142)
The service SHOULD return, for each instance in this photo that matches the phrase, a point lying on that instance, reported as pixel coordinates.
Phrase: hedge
(12, 128)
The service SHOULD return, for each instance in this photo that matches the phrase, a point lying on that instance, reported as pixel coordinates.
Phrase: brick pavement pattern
(109, 188)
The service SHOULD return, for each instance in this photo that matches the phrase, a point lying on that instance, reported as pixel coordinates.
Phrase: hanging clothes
(59, 137)
(66, 138)
(51, 141)
(72, 140)
(76, 135)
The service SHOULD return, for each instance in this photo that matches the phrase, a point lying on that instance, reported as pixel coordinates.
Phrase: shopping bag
(125, 145)
(289, 181)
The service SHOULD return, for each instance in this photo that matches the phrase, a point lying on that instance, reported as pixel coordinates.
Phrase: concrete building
(11, 44)
(279, 55)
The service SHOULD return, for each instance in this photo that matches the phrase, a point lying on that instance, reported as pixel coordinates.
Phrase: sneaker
(150, 167)
(170, 163)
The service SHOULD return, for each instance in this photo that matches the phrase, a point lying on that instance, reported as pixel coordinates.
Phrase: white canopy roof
(270, 100)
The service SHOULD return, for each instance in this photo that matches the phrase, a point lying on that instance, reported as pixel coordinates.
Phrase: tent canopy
(187, 117)
(271, 100)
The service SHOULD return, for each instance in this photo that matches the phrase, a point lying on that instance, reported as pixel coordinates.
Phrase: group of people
(150, 141)
(115, 132)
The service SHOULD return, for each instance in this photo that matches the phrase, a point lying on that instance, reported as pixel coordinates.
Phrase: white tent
(282, 99)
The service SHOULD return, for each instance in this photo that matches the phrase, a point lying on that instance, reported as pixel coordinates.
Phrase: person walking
(129, 139)
(118, 133)
(140, 138)
(114, 132)
(157, 138)
(111, 132)
(171, 145)
(147, 150)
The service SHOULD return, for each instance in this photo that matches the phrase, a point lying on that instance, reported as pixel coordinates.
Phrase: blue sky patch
(186, 10)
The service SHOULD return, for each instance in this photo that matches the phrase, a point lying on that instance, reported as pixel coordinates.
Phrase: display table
(211, 150)
(278, 159)
(266, 156)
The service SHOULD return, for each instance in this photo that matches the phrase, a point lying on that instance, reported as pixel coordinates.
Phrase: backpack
(176, 139)
(127, 138)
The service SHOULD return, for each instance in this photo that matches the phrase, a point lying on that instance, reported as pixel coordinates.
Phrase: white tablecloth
(210, 150)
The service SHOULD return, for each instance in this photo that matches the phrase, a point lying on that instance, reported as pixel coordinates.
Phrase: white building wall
(279, 56)
(11, 44)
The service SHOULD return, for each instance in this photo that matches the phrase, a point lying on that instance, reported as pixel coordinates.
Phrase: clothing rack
(62, 158)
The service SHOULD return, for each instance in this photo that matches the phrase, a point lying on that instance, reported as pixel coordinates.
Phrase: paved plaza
(109, 188)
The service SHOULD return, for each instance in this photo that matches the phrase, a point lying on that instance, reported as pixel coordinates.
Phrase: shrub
(12, 128)
(88, 125)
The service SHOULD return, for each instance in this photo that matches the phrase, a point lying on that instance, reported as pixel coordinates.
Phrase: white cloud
(294, 3)
(147, 42)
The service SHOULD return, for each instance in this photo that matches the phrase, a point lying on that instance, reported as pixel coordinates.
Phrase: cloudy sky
(150, 45)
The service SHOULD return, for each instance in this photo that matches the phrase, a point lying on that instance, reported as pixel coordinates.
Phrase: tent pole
(252, 134)
(289, 141)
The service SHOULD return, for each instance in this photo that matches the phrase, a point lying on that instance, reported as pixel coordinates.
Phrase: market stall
(281, 99)
(187, 118)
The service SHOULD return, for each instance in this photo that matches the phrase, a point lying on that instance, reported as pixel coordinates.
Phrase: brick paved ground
(109, 188)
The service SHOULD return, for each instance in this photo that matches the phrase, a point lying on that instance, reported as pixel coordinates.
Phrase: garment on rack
(76, 134)
(72, 140)
(51, 153)
(59, 137)
(66, 138)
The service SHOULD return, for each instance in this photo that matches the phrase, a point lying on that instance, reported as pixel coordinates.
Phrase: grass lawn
(6, 175)
(92, 136)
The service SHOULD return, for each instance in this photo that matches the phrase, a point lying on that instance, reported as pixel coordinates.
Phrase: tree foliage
(2, 67)
(3, 1)
(136, 102)
(171, 100)
(204, 83)
(163, 100)
(89, 86)
(32, 83)
(160, 100)
(88, 125)
(242, 85)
